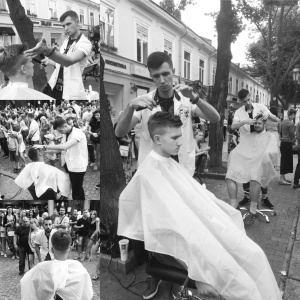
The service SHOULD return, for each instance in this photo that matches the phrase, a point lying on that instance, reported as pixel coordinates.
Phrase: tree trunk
(112, 176)
(24, 27)
(220, 90)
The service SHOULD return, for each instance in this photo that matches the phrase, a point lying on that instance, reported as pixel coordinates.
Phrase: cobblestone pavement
(10, 288)
(10, 189)
(272, 237)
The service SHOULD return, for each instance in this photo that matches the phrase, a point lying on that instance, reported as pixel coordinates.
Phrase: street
(10, 288)
(274, 238)
(10, 189)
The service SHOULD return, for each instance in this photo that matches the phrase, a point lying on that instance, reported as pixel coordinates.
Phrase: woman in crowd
(93, 234)
(286, 147)
(94, 131)
(34, 229)
(10, 225)
(2, 235)
(31, 214)
(24, 124)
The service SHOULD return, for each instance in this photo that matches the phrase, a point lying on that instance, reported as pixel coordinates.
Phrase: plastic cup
(124, 249)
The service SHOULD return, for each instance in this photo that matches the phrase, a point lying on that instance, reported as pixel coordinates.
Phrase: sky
(195, 18)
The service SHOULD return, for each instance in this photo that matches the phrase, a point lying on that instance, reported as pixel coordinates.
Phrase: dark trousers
(246, 188)
(77, 184)
(22, 252)
(297, 171)
(91, 151)
(4, 146)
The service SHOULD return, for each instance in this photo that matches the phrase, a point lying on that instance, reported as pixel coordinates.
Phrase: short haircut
(243, 93)
(30, 115)
(59, 123)
(48, 219)
(162, 120)
(61, 240)
(69, 13)
(33, 154)
(274, 110)
(156, 59)
(69, 118)
(292, 111)
(12, 58)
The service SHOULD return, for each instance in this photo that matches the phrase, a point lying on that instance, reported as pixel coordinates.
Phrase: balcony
(54, 18)
(3, 11)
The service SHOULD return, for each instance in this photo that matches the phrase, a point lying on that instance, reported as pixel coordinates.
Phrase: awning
(6, 31)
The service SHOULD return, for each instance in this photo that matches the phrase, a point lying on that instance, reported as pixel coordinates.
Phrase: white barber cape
(254, 158)
(69, 279)
(44, 177)
(21, 91)
(173, 214)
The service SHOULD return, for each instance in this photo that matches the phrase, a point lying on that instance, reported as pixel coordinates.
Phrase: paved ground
(10, 189)
(10, 288)
(274, 238)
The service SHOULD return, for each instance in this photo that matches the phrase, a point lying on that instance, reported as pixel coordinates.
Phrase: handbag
(124, 150)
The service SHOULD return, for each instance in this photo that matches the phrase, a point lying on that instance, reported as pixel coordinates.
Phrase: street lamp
(296, 74)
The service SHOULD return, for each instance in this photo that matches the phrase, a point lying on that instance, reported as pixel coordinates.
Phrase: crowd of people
(65, 136)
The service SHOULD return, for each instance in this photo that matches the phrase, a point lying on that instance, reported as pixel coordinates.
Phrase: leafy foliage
(175, 9)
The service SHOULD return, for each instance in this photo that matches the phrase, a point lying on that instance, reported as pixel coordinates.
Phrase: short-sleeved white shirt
(34, 128)
(241, 115)
(42, 240)
(76, 157)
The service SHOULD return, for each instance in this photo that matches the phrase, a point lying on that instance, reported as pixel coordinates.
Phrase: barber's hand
(45, 61)
(41, 47)
(265, 116)
(249, 121)
(205, 290)
(142, 102)
(185, 90)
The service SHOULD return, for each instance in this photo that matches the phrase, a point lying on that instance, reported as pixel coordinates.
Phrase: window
(201, 70)
(92, 21)
(52, 9)
(214, 75)
(254, 96)
(30, 7)
(106, 25)
(168, 47)
(187, 64)
(81, 17)
(236, 86)
(142, 44)
(230, 85)
(242, 84)
(3, 4)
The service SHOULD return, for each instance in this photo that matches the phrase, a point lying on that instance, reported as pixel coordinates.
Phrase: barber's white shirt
(73, 88)
(35, 130)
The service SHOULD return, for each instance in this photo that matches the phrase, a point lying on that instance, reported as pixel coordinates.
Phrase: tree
(175, 9)
(24, 27)
(228, 26)
(112, 176)
(275, 22)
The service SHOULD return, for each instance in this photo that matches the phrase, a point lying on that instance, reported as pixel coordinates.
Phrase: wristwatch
(44, 148)
(51, 53)
(197, 98)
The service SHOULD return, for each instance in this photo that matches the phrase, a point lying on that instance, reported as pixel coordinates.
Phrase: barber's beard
(248, 106)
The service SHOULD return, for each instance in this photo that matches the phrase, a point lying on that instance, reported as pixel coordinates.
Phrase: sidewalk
(280, 239)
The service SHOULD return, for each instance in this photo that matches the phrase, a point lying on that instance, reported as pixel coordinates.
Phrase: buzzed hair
(48, 219)
(69, 13)
(12, 58)
(61, 240)
(156, 59)
(161, 120)
(243, 93)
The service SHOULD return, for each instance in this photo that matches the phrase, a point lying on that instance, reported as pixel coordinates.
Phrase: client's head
(35, 154)
(13, 62)
(260, 123)
(165, 132)
(61, 243)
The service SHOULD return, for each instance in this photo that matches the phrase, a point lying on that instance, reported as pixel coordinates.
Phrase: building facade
(45, 15)
(130, 30)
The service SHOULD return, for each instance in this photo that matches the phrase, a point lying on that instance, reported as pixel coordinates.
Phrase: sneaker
(152, 287)
(248, 218)
(5, 255)
(92, 164)
(296, 186)
(95, 168)
(97, 186)
(1, 253)
(266, 202)
(245, 201)
(13, 257)
(17, 256)
(21, 273)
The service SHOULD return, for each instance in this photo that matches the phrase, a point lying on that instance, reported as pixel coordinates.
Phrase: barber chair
(260, 212)
(48, 195)
(173, 275)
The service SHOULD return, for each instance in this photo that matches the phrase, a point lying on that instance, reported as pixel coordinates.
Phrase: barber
(66, 81)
